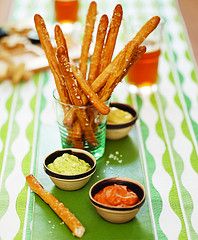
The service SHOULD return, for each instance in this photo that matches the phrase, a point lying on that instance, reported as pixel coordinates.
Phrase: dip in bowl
(120, 120)
(70, 168)
(117, 200)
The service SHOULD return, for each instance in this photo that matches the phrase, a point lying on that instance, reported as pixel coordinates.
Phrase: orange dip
(117, 195)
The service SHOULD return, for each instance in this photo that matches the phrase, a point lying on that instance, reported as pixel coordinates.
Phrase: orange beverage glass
(66, 11)
(145, 71)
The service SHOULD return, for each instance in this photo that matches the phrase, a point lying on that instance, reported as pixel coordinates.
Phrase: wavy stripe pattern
(188, 96)
(167, 130)
(36, 103)
(6, 91)
(180, 143)
(12, 186)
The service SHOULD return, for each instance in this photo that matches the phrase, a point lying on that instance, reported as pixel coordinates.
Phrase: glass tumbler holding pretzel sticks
(144, 73)
(89, 134)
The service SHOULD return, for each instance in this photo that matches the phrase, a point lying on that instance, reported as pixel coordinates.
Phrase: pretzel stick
(93, 98)
(89, 27)
(125, 53)
(107, 90)
(96, 57)
(70, 81)
(76, 136)
(133, 59)
(49, 51)
(60, 40)
(74, 93)
(68, 218)
(111, 37)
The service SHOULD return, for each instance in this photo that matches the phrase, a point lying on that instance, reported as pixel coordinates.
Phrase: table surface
(161, 150)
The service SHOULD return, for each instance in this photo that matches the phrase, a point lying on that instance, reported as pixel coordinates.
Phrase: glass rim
(57, 99)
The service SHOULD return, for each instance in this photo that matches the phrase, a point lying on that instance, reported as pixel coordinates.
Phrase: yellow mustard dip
(68, 164)
(118, 116)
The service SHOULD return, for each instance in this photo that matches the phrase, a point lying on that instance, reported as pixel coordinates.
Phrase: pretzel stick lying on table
(68, 218)
(110, 42)
(89, 27)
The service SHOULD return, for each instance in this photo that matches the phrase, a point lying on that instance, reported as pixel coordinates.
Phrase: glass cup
(81, 127)
(144, 73)
(66, 11)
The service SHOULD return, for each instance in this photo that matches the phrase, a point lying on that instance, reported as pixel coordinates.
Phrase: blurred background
(46, 8)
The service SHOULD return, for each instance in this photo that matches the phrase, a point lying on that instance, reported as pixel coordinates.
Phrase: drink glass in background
(144, 73)
(70, 136)
(66, 11)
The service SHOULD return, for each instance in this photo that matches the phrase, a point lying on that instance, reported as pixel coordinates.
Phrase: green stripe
(10, 158)
(186, 197)
(185, 129)
(194, 76)
(173, 195)
(156, 198)
(4, 129)
(22, 197)
(174, 199)
(44, 77)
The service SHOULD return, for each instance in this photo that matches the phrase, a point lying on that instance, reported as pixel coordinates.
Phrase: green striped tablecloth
(161, 152)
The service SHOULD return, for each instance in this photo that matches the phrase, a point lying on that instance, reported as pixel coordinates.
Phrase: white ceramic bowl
(70, 182)
(117, 214)
(118, 131)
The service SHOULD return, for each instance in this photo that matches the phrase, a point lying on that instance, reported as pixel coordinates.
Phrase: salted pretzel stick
(107, 90)
(96, 57)
(93, 98)
(70, 81)
(60, 40)
(49, 51)
(74, 93)
(133, 59)
(148, 27)
(111, 37)
(68, 218)
(89, 27)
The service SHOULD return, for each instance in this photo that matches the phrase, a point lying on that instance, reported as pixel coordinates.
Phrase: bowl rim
(114, 208)
(74, 179)
(70, 177)
(127, 108)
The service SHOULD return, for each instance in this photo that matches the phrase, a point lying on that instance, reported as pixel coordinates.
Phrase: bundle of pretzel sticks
(85, 85)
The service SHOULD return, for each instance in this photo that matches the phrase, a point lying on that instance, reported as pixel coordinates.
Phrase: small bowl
(118, 131)
(70, 182)
(117, 214)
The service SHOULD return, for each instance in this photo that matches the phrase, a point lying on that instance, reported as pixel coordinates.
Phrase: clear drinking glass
(81, 127)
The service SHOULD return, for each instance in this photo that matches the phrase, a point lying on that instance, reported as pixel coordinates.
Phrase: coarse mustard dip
(68, 164)
(118, 116)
